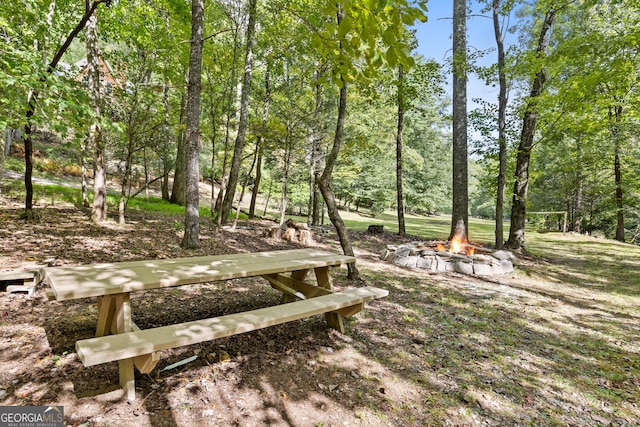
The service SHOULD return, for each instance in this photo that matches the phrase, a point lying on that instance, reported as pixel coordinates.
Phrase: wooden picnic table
(112, 284)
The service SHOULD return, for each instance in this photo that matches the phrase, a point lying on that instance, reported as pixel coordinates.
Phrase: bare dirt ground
(442, 349)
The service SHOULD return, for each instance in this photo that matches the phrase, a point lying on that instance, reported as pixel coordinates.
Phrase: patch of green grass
(52, 194)
(428, 227)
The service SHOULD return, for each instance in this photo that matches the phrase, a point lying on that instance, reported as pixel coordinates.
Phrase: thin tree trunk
(285, 176)
(178, 196)
(314, 167)
(325, 189)
(502, 137)
(99, 209)
(244, 114)
(146, 174)
(577, 206)
(126, 184)
(256, 184)
(32, 102)
(165, 148)
(399, 191)
(521, 186)
(84, 186)
(265, 117)
(324, 179)
(460, 205)
(225, 177)
(615, 114)
(191, 238)
(244, 185)
(266, 203)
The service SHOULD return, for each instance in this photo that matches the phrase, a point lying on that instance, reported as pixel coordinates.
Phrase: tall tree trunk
(165, 143)
(615, 113)
(244, 114)
(576, 223)
(285, 175)
(399, 190)
(519, 201)
(99, 208)
(325, 188)
(191, 238)
(178, 190)
(256, 183)
(325, 179)
(460, 205)
(213, 108)
(502, 123)
(245, 183)
(83, 165)
(126, 183)
(266, 202)
(265, 117)
(314, 164)
(32, 101)
(227, 137)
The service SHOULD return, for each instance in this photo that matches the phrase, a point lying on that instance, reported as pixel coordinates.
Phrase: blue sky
(434, 41)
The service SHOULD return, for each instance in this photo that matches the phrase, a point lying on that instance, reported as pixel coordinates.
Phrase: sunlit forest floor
(555, 343)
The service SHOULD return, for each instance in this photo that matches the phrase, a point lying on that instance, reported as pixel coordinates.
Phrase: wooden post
(123, 323)
(106, 309)
(334, 320)
(299, 276)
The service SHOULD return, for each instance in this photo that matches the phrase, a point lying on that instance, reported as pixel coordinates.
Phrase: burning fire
(456, 246)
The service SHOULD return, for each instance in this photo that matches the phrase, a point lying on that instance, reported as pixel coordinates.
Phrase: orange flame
(455, 245)
(440, 247)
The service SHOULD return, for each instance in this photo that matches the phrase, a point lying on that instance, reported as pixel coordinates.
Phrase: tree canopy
(584, 148)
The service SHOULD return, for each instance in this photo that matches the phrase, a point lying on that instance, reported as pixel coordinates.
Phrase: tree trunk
(615, 113)
(191, 238)
(225, 178)
(126, 184)
(32, 102)
(266, 202)
(84, 185)
(325, 189)
(285, 175)
(244, 114)
(519, 201)
(576, 223)
(315, 198)
(178, 190)
(256, 184)
(399, 190)
(99, 209)
(502, 136)
(245, 183)
(460, 205)
(324, 179)
(165, 143)
(265, 117)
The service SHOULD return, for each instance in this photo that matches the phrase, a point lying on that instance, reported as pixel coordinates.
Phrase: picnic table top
(94, 280)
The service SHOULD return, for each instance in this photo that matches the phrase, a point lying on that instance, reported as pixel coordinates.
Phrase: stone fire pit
(427, 255)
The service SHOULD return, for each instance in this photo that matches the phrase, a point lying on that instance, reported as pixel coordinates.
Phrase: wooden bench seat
(104, 349)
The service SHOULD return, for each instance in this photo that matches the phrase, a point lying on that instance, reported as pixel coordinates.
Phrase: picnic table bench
(112, 284)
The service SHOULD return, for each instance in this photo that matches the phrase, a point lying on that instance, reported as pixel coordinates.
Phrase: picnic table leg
(122, 323)
(106, 309)
(297, 275)
(334, 320)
